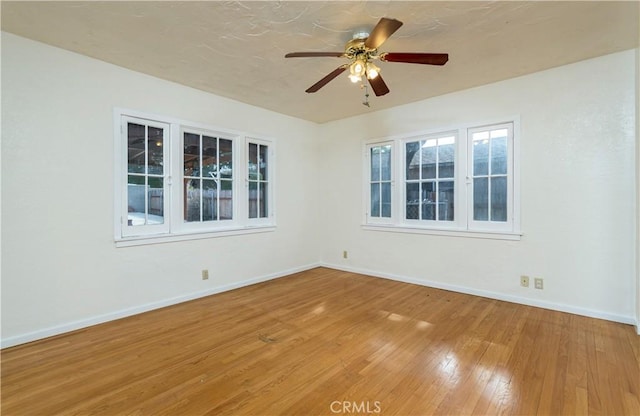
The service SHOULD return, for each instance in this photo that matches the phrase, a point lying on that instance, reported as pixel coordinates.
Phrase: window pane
(226, 199)
(413, 201)
(156, 201)
(375, 199)
(209, 157)
(135, 148)
(386, 200)
(191, 154)
(155, 145)
(225, 162)
(499, 156)
(429, 150)
(480, 199)
(192, 200)
(385, 163)
(209, 200)
(446, 160)
(264, 213)
(253, 199)
(480, 156)
(264, 160)
(499, 133)
(413, 160)
(499, 198)
(375, 164)
(428, 201)
(445, 200)
(253, 162)
(135, 200)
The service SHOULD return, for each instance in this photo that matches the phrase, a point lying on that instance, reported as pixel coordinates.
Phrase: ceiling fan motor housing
(355, 49)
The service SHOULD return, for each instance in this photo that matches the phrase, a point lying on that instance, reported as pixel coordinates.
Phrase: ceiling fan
(362, 50)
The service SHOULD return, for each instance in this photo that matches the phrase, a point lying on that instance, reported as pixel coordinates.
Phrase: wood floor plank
(326, 340)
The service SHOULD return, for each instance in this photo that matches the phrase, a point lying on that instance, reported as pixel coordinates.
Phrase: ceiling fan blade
(416, 58)
(313, 54)
(380, 33)
(324, 81)
(379, 86)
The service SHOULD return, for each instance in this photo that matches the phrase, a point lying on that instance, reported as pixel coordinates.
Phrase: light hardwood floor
(326, 342)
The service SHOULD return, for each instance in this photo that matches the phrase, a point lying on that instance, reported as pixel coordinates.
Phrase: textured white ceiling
(236, 49)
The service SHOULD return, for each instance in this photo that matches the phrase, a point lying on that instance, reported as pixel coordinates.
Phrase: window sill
(187, 236)
(493, 235)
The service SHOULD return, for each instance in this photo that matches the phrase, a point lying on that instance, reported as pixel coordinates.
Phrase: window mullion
(420, 184)
(146, 175)
(436, 207)
(198, 177)
(489, 176)
(259, 197)
(218, 179)
(377, 182)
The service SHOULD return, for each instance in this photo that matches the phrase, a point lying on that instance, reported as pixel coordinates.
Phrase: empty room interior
(320, 208)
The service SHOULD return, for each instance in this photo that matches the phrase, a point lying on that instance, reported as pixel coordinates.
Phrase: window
(207, 178)
(430, 179)
(259, 176)
(175, 181)
(490, 166)
(459, 182)
(146, 186)
(380, 180)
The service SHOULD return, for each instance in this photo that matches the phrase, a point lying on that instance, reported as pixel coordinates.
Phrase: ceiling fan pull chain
(366, 94)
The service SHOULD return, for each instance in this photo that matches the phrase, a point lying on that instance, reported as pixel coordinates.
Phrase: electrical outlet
(524, 281)
(205, 274)
(538, 283)
(345, 255)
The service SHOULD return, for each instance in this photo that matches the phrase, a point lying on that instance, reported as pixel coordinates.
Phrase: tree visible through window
(208, 178)
(175, 179)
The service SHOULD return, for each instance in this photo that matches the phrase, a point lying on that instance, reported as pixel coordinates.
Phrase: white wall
(60, 268)
(577, 147)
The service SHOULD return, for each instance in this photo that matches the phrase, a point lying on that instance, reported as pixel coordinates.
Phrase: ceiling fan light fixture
(358, 67)
(355, 78)
(372, 70)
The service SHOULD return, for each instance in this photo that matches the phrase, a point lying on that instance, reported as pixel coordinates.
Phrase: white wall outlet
(205, 274)
(538, 283)
(524, 281)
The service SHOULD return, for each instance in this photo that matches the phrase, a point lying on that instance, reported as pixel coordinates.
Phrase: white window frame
(367, 183)
(463, 224)
(435, 224)
(197, 226)
(174, 227)
(271, 156)
(140, 230)
(488, 225)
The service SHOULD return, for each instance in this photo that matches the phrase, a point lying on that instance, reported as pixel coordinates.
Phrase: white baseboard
(83, 323)
(493, 295)
(111, 316)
